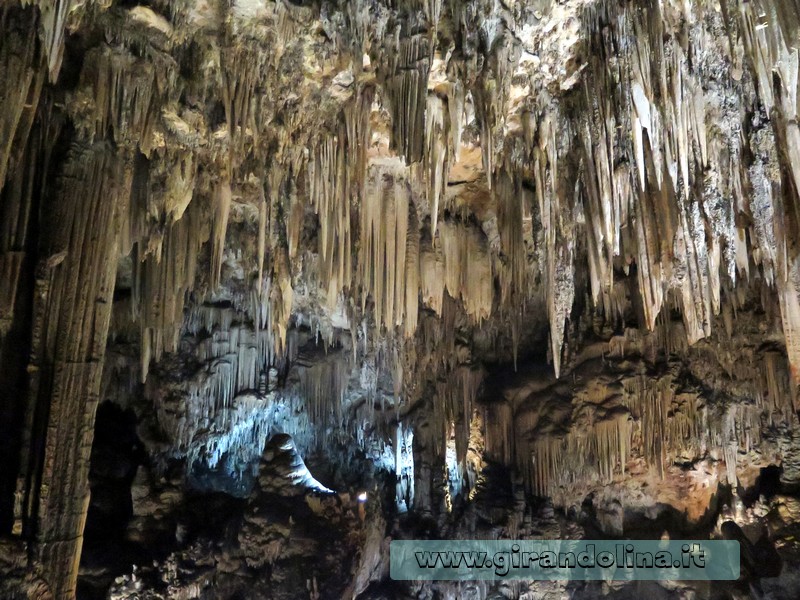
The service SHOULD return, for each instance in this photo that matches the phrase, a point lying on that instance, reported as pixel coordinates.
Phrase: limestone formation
(350, 271)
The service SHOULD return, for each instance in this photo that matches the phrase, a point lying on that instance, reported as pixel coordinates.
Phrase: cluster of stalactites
(407, 93)
(593, 454)
(670, 423)
(453, 411)
(241, 69)
(161, 282)
(770, 39)
(675, 425)
(54, 16)
(459, 264)
(117, 96)
(227, 406)
(336, 175)
(322, 387)
(780, 400)
(656, 420)
(329, 192)
(443, 126)
(666, 198)
(388, 267)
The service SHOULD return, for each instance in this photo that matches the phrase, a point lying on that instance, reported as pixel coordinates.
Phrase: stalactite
(179, 182)
(455, 112)
(356, 116)
(117, 95)
(467, 269)
(262, 237)
(329, 189)
(281, 295)
(557, 265)
(499, 432)
(781, 392)
(240, 70)
(388, 267)
(10, 272)
(436, 157)
(406, 90)
(322, 387)
(560, 297)
(19, 208)
(512, 212)
(294, 223)
(162, 282)
(21, 87)
(454, 408)
(222, 208)
(54, 16)
(598, 453)
(431, 265)
(412, 275)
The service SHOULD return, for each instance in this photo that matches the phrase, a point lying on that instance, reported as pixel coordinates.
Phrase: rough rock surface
(281, 281)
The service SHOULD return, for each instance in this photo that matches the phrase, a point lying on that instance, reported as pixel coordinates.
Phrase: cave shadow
(767, 484)
(116, 455)
(637, 526)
